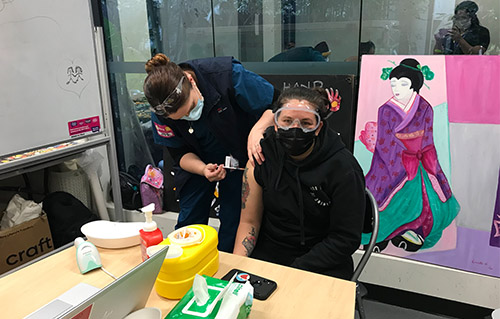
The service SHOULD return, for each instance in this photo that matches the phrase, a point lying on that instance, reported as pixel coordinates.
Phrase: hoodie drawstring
(280, 171)
(301, 209)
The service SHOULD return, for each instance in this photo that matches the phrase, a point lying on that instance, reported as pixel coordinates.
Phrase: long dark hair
(408, 68)
(163, 77)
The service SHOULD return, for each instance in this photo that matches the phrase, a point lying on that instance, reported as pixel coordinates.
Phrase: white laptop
(126, 294)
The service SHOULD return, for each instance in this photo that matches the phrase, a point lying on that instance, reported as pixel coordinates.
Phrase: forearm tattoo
(249, 241)
(245, 189)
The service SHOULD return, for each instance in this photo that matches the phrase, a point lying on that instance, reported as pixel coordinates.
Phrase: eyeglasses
(460, 18)
(286, 117)
(161, 109)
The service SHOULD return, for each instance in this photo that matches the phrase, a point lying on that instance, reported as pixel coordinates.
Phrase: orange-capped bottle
(150, 234)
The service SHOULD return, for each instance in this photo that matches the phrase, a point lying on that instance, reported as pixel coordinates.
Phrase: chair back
(371, 225)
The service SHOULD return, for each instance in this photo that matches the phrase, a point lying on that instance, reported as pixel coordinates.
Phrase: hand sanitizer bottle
(150, 233)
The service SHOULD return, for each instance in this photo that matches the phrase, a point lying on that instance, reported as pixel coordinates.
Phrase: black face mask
(295, 141)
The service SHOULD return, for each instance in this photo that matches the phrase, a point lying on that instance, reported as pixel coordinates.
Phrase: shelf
(56, 156)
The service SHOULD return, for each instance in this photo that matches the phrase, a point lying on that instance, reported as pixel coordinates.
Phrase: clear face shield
(304, 118)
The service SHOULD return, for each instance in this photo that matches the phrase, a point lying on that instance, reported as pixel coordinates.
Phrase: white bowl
(145, 313)
(108, 234)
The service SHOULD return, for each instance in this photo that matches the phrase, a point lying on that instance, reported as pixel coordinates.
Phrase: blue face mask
(195, 113)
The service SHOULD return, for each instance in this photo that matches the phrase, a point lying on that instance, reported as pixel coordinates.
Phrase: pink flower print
(368, 136)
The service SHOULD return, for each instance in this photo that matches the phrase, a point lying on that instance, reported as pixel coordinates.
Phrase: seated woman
(304, 205)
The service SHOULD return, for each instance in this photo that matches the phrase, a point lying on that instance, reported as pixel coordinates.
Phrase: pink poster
(84, 126)
(426, 135)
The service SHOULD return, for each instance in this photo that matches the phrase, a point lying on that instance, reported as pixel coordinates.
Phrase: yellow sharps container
(193, 250)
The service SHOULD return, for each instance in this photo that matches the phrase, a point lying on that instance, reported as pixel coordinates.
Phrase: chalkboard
(49, 88)
(343, 120)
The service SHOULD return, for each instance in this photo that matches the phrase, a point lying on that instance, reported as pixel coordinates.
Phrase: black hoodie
(313, 209)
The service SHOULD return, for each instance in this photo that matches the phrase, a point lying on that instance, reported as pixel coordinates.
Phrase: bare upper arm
(251, 197)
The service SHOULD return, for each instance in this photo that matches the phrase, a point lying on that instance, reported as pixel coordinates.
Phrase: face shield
(290, 117)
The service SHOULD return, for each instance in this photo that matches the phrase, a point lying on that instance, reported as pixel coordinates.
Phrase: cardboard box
(24, 242)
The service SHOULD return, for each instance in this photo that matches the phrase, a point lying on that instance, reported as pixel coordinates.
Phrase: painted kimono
(405, 176)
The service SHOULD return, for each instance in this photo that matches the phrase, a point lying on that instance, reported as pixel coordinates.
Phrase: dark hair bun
(411, 63)
(158, 61)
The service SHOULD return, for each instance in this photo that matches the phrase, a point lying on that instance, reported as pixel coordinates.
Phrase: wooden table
(300, 294)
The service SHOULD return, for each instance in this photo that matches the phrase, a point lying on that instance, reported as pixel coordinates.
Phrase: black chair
(371, 226)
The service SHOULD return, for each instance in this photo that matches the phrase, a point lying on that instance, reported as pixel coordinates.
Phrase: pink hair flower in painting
(334, 99)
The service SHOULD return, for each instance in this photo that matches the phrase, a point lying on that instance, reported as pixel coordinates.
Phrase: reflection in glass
(416, 26)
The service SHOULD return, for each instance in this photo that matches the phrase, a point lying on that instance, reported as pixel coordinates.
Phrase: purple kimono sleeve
(386, 171)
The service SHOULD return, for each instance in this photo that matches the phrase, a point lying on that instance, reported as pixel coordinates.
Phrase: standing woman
(203, 111)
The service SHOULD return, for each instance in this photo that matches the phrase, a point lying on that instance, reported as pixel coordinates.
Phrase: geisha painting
(413, 193)
(405, 142)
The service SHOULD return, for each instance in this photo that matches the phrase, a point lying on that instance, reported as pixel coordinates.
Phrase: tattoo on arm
(249, 241)
(245, 189)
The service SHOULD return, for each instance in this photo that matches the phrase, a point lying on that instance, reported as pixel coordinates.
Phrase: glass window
(255, 31)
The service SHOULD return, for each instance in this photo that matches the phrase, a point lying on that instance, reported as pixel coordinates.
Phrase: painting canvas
(427, 137)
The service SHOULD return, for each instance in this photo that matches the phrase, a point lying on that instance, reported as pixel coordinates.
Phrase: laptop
(126, 294)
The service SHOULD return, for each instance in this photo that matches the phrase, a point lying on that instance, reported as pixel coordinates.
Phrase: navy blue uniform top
(246, 93)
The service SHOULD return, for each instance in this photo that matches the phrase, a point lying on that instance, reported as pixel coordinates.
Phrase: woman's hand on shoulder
(256, 134)
(253, 147)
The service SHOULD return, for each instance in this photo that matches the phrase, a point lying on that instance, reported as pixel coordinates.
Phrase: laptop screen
(126, 294)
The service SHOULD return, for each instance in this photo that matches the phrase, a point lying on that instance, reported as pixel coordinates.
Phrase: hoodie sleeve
(346, 224)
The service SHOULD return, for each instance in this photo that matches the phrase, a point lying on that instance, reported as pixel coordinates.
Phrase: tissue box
(24, 242)
(177, 273)
(230, 307)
